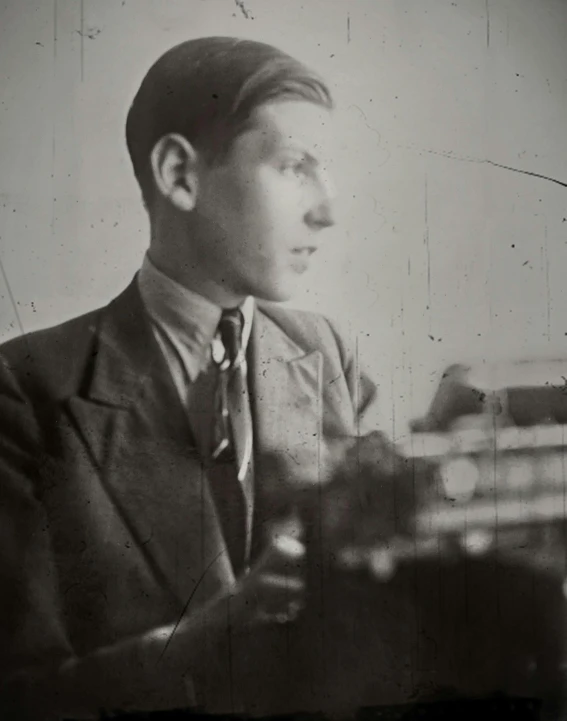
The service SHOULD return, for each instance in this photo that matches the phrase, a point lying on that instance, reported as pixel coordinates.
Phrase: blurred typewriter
(497, 435)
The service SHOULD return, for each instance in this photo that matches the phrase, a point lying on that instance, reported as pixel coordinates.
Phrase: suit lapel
(132, 422)
(287, 407)
(137, 434)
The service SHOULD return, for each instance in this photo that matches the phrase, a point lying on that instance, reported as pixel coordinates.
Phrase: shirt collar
(187, 318)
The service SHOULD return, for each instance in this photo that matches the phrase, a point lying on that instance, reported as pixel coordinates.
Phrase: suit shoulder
(55, 354)
(292, 319)
(311, 330)
(54, 338)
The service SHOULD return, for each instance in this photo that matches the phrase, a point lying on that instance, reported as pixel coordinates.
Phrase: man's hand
(273, 590)
(206, 638)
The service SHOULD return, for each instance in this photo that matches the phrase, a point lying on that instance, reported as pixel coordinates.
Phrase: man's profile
(136, 441)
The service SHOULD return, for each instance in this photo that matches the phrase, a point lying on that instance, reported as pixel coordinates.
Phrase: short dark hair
(206, 90)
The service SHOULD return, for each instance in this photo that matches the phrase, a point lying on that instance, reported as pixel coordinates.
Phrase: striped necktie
(231, 472)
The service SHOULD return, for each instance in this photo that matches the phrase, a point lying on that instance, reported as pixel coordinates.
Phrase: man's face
(262, 209)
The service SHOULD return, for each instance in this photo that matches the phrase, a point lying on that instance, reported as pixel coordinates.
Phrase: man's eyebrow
(299, 148)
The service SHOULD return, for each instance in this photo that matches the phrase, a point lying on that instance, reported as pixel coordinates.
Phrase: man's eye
(294, 168)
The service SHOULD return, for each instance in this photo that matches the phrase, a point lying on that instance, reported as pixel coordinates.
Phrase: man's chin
(275, 285)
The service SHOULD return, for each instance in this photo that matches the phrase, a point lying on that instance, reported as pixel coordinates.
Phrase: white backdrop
(439, 254)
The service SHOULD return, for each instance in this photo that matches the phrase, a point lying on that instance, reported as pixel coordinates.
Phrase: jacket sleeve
(41, 677)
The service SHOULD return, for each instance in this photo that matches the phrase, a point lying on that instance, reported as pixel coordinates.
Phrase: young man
(137, 443)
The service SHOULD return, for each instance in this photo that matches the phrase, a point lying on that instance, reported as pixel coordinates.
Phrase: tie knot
(230, 329)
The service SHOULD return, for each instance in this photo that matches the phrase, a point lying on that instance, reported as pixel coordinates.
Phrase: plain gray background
(439, 254)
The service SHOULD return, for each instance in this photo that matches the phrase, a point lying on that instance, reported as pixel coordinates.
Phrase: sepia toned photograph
(283, 359)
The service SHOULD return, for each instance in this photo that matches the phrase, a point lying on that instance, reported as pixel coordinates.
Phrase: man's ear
(174, 166)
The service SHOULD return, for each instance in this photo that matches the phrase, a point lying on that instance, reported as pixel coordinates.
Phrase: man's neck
(190, 276)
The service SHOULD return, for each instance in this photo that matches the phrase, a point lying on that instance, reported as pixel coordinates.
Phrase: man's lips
(301, 257)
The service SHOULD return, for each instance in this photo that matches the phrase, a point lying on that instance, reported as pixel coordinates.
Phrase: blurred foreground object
(484, 469)
(497, 434)
(463, 523)
(455, 617)
(472, 509)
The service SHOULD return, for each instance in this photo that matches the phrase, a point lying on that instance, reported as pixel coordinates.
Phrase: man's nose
(321, 215)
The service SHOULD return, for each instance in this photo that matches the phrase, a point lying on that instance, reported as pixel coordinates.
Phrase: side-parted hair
(206, 90)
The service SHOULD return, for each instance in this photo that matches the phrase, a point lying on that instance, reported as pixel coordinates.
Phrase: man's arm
(40, 672)
(41, 676)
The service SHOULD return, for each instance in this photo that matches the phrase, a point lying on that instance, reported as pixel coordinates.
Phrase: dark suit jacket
(107, 529)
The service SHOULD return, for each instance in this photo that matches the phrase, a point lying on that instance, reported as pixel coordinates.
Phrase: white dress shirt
(185, 325)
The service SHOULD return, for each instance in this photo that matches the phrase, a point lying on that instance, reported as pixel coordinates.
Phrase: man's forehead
(293, 123)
